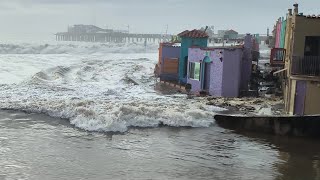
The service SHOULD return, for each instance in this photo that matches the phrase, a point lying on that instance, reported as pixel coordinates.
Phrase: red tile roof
(222, 47)
(194, 34)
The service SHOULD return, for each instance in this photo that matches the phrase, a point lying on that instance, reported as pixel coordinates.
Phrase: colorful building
(217, 71)
(220, 71)
(169, 55)
(188, 39)
(231, 34)
(302, 62)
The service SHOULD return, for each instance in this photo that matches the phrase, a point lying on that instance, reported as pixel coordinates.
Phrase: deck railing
(307, 65)
(277, 57)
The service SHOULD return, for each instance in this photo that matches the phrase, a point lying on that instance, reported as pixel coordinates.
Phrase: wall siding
(301, 87)
(304, 27)
(216, 69)
(231, 73)
(312, 101)
(216, 73)
(169, 52)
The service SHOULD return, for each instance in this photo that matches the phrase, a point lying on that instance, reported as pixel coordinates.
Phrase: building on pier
(91, 33)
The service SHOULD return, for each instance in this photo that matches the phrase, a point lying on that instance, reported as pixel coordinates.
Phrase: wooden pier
(92, 33)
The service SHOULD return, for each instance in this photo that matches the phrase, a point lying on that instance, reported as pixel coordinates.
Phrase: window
(312, 46)
(194, 69)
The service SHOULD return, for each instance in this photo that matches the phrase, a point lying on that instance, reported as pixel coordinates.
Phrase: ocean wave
(95, 95)
(76, 48)
(116, 115)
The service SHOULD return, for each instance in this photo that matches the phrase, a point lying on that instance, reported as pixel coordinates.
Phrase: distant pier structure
(91, 33)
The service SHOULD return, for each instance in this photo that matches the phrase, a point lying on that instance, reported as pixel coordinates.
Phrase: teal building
(194, 38)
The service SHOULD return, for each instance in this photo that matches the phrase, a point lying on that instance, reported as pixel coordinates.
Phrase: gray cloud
(33, 17)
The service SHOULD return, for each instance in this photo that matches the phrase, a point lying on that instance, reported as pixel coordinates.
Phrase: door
(205, 73)
(206, 77)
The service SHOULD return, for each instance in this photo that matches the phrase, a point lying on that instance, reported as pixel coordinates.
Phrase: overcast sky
(29, 18)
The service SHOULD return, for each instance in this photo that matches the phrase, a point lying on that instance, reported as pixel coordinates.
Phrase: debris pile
(249, 105)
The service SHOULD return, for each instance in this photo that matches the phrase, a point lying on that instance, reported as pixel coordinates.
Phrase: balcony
(306, 66)
(277, 57)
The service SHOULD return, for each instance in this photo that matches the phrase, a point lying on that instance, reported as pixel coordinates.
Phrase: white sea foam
(75, 48)
(265, 52)
(93, 92)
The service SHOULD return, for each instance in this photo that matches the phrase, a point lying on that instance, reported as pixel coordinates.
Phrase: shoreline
(259, 106)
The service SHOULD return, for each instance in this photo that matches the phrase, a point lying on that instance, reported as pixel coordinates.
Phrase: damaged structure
(220, 71)
(216, 71)
(299, 38)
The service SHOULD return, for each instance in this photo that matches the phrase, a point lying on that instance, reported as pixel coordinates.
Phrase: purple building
(220, 71)
(169, 54)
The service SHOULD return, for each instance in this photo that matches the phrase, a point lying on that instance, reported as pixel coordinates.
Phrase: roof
(222, 47)
(313, 16)
(194, 34)
(231, 31)
(218, 48)
(168, 44)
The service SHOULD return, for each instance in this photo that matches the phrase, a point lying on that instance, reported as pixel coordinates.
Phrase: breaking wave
(95, 95)
(75, 48)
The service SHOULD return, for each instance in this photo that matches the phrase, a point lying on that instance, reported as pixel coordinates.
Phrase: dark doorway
(312, 46)
(185, 67)
(310, 64)
(206, 77)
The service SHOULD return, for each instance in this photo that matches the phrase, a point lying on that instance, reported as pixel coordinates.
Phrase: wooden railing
(277, 57)
(307, 65)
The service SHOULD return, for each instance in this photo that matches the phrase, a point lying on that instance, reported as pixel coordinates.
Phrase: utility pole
(128, 29)
(166, 34)
(167, 29)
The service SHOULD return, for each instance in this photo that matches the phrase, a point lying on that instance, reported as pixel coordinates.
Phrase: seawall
(301, 126)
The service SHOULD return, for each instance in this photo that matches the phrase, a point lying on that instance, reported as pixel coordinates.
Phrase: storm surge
(94, 93)
(74, 48)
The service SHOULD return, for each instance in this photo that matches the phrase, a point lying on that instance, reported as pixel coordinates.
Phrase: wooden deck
(175, 85)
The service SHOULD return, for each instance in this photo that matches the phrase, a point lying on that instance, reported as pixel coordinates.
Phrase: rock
(211, 98)
(258, 101)
(250, 108)
(210, 103)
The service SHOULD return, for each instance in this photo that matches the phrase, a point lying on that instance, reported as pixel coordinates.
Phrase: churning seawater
(69, 111)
